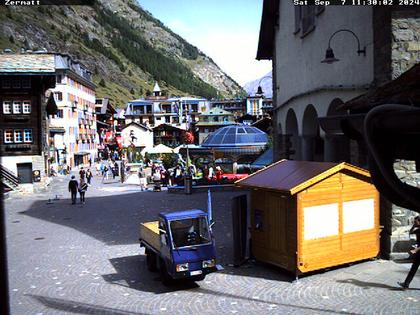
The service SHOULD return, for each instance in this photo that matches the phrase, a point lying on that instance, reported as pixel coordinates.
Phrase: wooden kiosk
(307, 216)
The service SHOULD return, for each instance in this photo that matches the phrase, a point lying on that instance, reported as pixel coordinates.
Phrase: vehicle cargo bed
(149, 233)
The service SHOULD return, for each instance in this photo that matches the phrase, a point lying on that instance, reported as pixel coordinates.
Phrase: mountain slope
(125, 47)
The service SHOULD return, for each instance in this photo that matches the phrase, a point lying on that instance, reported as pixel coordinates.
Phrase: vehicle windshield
(190, 232)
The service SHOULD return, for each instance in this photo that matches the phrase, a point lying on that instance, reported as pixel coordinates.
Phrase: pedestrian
(211, 173)
(105, 174)
(157, 180)
(73, 185)
(219, 174)
(142, 179)
(82, 191)
(82, 174)
(415, 255)
(116, 169)
(415, 229)
(89, 176)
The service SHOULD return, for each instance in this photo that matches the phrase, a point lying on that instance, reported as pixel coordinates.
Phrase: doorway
(24, 171)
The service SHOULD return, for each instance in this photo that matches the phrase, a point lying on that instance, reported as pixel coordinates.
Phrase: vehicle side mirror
(162, 231)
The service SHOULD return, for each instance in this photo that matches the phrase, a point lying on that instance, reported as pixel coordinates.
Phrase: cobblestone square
(85, 259)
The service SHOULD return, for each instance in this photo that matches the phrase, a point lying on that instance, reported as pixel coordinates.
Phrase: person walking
(82, 191)
(105, 173)
(73, 185)
(89, 176)
(82, 174)
(142, 179)
(415, 255)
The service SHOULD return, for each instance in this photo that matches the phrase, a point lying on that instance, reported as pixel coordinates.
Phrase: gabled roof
(294, 176)
(138, 125)
(268, 21)
(167, 127)
(27, 63)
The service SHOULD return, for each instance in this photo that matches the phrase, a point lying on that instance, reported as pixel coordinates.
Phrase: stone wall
(405, 53)
(402, 218)
(405, 41)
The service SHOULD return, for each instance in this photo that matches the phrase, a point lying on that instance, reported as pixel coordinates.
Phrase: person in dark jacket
(73, 185)
(89, 176)
(83, 186)
(415, 255)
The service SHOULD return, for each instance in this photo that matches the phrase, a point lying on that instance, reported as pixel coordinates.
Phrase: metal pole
(4, 284)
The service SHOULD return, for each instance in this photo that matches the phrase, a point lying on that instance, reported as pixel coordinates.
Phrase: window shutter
(298, 17)
(308, 19)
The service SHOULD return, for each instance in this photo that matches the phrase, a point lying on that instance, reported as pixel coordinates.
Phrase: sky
(225, 30)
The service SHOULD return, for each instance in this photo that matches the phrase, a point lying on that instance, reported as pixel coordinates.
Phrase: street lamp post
(329, 54)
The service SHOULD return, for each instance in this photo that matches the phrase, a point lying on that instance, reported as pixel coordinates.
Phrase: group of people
(107, 169)
(80, 186)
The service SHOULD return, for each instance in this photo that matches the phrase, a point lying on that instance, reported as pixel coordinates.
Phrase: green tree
(102, 83)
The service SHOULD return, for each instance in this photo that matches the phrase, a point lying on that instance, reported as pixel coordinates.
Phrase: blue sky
(227, 31)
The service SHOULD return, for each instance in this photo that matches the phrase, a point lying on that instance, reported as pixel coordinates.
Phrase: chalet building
(104, 114)
(24, 79)
(168, 135)
(324, 57)
(137, 136)
(212, 120)
(236, 106)
(75, 97)
(156, 109)
(257, 106)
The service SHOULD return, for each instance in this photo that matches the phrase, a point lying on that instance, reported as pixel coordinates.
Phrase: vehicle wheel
(164, 276)
(151, 260)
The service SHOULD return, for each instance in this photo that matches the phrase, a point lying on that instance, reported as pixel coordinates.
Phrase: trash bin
(188, 184)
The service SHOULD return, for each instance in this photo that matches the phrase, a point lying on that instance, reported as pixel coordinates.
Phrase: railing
(8, 178)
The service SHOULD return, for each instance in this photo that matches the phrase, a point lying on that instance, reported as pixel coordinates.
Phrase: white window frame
(17, 103)
(10, 132)
(26, 105)
(29, 131)
(15, 133)
(5, 105)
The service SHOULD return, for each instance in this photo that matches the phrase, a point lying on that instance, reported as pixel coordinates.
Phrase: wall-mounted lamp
(329, 54)
(259, 89)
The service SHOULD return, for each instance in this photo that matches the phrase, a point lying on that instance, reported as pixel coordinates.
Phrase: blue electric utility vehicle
(180, 245)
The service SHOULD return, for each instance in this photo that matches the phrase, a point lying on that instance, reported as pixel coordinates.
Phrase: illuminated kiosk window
(320, 221)
(358, 215)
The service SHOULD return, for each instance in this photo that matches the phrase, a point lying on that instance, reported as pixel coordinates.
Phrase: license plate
(196, 272)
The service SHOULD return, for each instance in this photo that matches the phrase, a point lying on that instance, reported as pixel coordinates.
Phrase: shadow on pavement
(115, 219)
(368, 285)
(69, 306)
(132, 273)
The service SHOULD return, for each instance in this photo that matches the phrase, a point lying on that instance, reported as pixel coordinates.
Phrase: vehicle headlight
(209, 263)
(182, 267)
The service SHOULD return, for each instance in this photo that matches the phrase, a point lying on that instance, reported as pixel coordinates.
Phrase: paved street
(85, 259)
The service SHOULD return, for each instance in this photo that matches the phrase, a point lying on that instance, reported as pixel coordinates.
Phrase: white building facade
(75, 98)
(306, 89)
